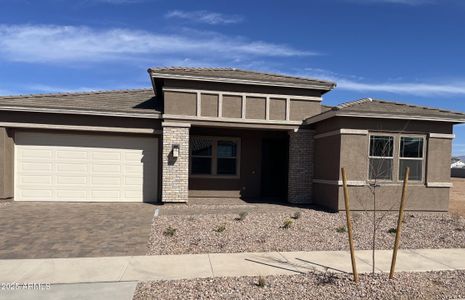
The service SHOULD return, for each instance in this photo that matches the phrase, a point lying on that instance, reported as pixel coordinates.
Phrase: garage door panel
(71, 155)
(52, 166)
(73, 180)
(31, 179)
(31, 167)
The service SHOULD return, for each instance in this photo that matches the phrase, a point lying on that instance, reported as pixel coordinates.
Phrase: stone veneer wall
(175, 171)
(300, 166)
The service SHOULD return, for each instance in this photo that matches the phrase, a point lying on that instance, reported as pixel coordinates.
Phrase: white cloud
(360, 84)
(203, 16)
(420, 89)
(51, 43)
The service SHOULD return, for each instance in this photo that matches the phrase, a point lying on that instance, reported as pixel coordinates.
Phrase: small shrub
(392, 230)
(326, 278)
(261, 281)
(220, 228)
(169, 231)
(287, 224)
(242, 216)
(341, 229)
(297, 215)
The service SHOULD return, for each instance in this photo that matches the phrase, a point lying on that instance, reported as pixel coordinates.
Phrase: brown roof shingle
(136, 102)
(387, 109)
(242, 75)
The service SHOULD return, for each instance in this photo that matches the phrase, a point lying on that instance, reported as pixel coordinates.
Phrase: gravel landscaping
(429, 285)
(313, 230)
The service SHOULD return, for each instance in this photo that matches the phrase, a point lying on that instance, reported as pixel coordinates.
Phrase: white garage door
(53, 166)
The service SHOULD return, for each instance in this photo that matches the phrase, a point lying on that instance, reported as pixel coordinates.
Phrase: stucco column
(6, 164)
(175, 176)
(300, 166)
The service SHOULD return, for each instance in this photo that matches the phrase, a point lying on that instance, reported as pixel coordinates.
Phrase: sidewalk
(170, 267)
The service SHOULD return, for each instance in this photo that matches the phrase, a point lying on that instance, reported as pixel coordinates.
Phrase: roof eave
(156, 115)
(336, 113)
(323, 86)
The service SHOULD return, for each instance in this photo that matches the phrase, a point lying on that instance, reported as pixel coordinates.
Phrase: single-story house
(222, 133)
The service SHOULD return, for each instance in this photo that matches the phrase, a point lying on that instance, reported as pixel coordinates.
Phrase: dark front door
(274, 168)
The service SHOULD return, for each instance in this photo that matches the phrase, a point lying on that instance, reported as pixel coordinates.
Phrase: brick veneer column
(175, 177)
(300, 166)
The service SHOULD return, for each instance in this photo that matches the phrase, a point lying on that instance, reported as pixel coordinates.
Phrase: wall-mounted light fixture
(175, 150)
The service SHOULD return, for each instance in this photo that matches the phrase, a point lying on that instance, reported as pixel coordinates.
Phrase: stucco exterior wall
(180, 103)
(6, 164)
(349, 149)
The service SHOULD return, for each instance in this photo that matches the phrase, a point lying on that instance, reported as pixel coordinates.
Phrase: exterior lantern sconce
(175, 150)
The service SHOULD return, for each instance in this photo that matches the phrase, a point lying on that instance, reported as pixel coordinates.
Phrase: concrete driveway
(54, 230)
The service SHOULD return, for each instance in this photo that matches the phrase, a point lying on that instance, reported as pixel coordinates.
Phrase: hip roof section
(233, 75)
(376, 108)
(132, 103)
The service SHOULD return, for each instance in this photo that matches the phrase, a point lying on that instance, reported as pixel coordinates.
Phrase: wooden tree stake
(399, 222)
(349, 226)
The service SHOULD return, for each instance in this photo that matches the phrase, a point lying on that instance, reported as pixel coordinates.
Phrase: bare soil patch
(457, 197)
(429, 285)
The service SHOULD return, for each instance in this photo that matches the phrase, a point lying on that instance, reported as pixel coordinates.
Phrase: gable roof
(375, 108)
(233, 75)
(130, 103)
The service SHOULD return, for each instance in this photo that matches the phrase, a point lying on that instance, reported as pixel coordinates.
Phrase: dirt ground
(457, 197)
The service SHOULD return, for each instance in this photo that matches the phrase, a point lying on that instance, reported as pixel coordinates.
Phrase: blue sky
(405, 50)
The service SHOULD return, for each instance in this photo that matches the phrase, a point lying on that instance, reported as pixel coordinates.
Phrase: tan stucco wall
(79, 120)
(255, 108)
(353, 154)
(327, 157)
(209, 105)
(180, 103)
(232, 106)
(303, 109)
(382, 125)
(277, 109)
(388, 197)
(6, 163)
(439, 158)
(241, 88)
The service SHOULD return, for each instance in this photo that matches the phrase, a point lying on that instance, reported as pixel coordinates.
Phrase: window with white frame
(381, 156)
(411, 155)
(214, 156)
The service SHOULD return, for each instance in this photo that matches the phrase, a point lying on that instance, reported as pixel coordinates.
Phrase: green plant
(169, 231)
(287, 224)
(242, 216)
(392, 230)
(297, 215)
(341, 229)
(261, 281)
(220, 228)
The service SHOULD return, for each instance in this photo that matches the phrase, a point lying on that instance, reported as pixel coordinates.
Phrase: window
(381, 157)
(201, 156)
(411, 155)
(214, 156)
(226, 158)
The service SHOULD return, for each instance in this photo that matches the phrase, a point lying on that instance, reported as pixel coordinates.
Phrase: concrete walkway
(169, 267)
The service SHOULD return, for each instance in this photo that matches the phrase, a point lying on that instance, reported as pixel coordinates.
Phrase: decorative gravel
(429, 285)
(314, 230)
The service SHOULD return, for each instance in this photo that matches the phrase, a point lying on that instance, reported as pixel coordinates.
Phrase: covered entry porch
(250, 164)
(238, 163)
